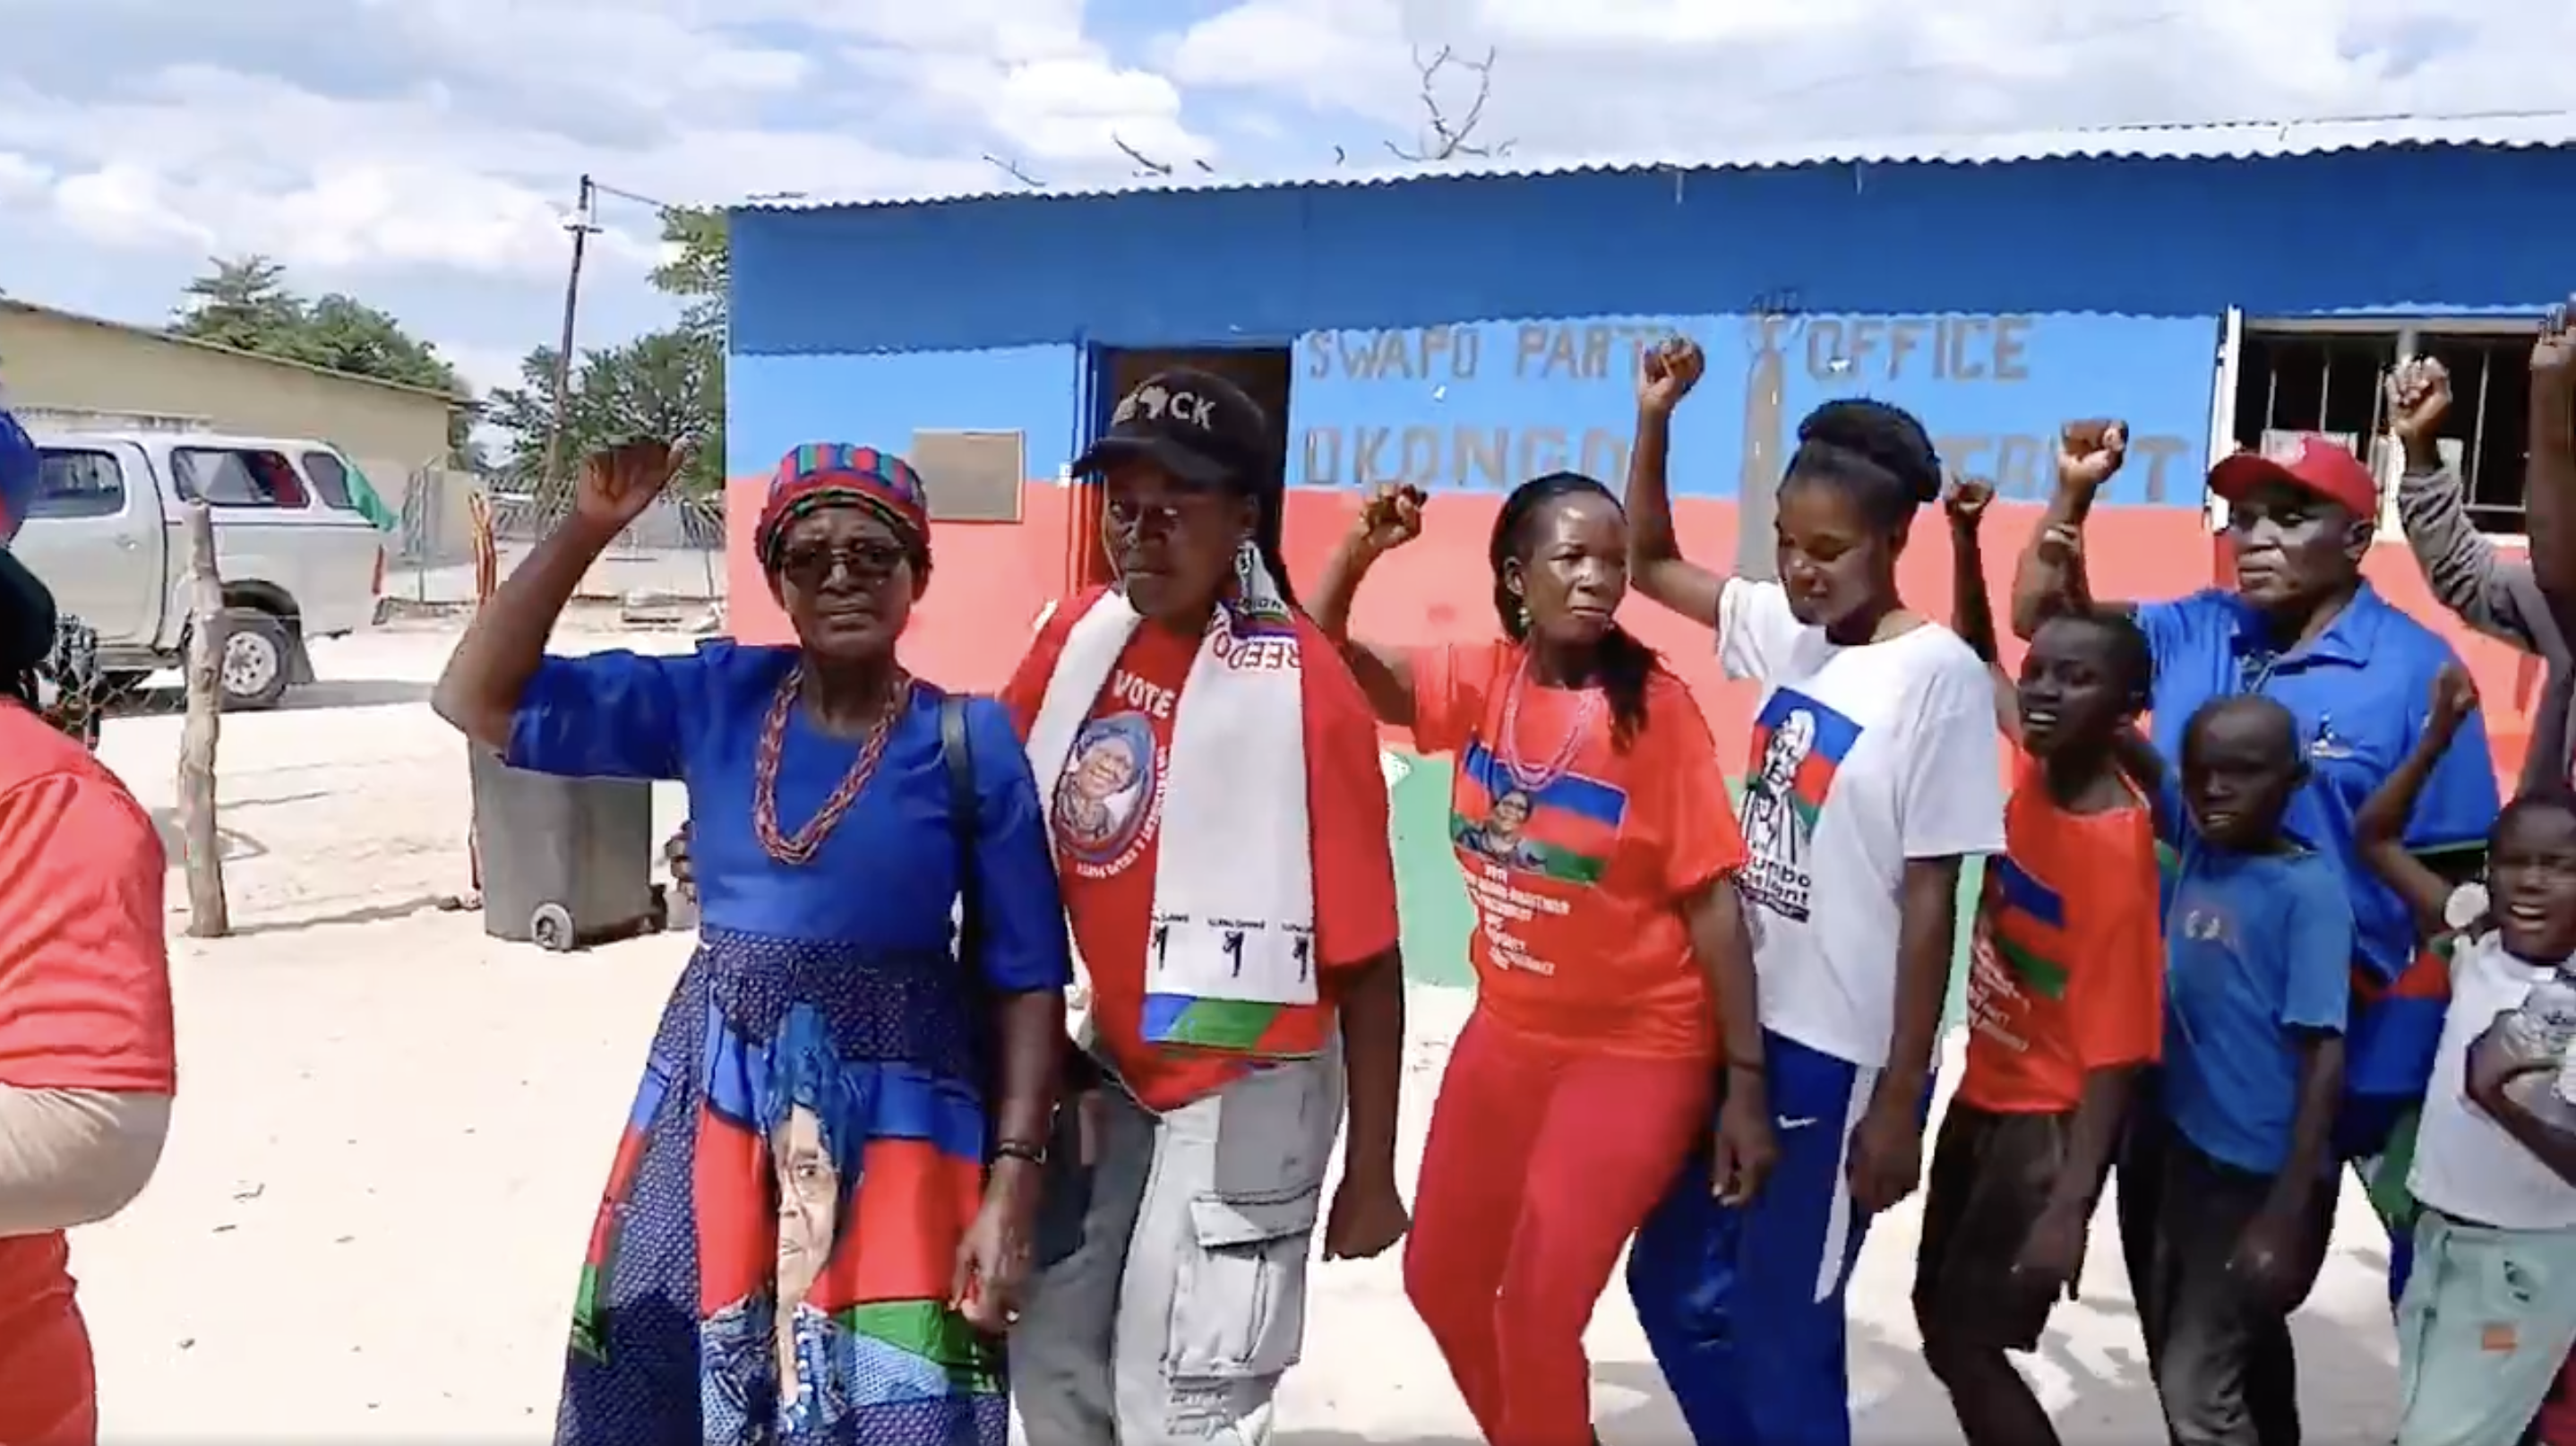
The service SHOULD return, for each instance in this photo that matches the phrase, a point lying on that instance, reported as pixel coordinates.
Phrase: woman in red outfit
(86, 1066)
(1614, 978)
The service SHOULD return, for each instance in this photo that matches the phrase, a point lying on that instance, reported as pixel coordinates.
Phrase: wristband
(1020, 1150)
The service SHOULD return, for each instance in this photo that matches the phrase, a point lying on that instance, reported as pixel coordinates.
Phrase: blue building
(1464, 329)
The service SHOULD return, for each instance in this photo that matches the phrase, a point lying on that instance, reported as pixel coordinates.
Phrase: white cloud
(383, 137)
(1634, 77)
(422, 153)
(21, 178)
(484, 367)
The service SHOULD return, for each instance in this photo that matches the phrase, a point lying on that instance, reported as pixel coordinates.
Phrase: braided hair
(1876, 453)
(1269, 529)
(1623, 664)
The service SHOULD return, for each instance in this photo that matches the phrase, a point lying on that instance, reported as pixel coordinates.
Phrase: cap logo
(1154, 403)
(2287, 449)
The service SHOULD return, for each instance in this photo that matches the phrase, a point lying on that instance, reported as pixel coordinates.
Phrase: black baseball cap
(1196, 425)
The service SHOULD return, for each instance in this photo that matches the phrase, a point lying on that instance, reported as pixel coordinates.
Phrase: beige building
(59, 369)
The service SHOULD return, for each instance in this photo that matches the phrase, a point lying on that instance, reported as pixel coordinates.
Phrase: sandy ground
(394, 1131)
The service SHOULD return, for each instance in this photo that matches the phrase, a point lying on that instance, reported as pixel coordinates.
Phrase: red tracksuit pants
(1542, 1161)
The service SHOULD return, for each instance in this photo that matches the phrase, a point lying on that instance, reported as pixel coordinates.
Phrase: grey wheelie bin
(566, 862)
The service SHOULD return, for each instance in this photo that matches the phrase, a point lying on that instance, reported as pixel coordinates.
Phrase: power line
(605, 189)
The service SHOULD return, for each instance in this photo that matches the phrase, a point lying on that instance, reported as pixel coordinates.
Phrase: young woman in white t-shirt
(1873, 774)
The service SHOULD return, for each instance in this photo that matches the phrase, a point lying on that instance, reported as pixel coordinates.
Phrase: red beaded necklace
(801, 847)
(1533, 780)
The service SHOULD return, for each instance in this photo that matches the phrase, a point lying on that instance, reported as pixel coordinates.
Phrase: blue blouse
(885, 878)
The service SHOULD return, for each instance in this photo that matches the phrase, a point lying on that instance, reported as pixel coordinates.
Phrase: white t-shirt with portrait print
(1862, 758)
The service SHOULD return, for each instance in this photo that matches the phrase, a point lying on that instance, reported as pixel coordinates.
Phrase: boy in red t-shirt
(2065, 1003)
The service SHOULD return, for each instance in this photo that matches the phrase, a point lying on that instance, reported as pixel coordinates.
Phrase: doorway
(1262, 372)
(1112, 372)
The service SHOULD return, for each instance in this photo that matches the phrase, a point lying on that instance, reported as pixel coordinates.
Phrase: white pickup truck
(299, 559)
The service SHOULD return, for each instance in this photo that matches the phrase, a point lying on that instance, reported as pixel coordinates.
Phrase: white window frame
(2386, 463)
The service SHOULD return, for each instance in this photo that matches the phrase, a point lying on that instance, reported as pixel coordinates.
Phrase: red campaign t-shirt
(84, 1004)
(2066, 965)
(1582, 881)
(1109, 882)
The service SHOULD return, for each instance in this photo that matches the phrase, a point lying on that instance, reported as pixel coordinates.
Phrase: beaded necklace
(1508, 747)
(801, 847)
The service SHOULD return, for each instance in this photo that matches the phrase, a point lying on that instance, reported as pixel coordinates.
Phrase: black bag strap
(957, 751)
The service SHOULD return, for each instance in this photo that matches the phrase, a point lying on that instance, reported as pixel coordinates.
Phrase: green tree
(662, 384)
(245, 303)
(697, 267)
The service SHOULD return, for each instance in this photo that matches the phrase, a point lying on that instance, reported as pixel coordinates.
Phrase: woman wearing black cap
(86, 1066)
(1219, 819)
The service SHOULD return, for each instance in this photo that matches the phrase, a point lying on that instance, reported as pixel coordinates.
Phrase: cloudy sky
(421, 154)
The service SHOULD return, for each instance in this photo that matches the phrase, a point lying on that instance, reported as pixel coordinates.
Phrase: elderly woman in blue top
(819, 1214)
(2302, 627)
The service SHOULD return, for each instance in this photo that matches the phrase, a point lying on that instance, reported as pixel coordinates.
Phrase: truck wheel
(257, 662)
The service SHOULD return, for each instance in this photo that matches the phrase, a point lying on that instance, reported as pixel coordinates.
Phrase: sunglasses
(810, 565)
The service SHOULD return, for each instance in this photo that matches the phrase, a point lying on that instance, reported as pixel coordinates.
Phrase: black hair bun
(1889, 436)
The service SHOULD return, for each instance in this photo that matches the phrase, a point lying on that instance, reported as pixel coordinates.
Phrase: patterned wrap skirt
(776, 1249)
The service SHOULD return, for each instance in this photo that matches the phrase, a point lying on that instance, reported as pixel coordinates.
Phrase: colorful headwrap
(829, 474)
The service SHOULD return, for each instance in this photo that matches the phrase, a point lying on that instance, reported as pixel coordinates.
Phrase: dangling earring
(1520, 614)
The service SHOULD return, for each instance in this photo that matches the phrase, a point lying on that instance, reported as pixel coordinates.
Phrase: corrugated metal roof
(2244, 140)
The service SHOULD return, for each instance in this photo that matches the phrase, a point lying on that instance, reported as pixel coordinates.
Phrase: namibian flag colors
(2396, 1027)
(2027, 920)
(1563, 831)
(1811, 741)
(1235, 1026)
(589, 1301)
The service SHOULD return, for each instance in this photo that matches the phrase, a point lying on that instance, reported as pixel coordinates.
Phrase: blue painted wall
(1485, 405)
(1430, 320)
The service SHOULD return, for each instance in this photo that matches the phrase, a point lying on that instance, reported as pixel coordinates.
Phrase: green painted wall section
(1437, 917)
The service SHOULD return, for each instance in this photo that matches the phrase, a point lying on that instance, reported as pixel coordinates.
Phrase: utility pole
(584, 221)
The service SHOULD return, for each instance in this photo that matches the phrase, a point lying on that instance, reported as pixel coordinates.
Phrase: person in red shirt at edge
(2065, 1002)
(86, 1069)
(1593, 828)
(1210, 775)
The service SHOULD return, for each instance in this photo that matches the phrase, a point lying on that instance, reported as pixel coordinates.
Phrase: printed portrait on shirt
(1563, 829)
(1798, 745)
(1104, 798)
(1502, 837)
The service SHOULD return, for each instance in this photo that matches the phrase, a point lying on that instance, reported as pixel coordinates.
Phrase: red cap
(2313, 464)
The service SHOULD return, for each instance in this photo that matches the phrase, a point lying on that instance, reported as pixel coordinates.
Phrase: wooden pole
(487, 580)
(553, 492)
(209, 917)
(1763, 452)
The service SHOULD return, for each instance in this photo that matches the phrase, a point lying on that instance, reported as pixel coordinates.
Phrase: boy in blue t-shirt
(2258, 941)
